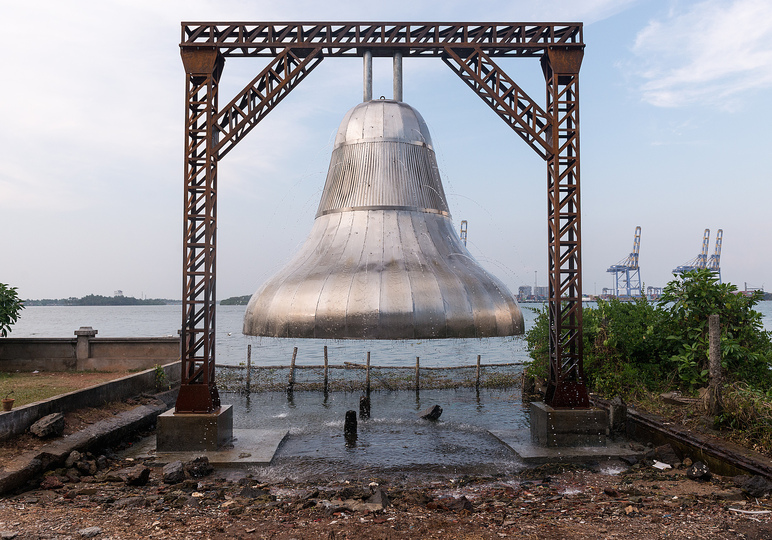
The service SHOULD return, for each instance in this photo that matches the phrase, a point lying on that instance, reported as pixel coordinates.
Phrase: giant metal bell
(383, 260)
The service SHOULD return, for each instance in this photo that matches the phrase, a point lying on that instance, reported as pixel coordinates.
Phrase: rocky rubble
(102, 496)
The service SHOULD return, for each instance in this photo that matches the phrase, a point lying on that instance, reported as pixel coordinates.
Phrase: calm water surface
(231, 348)
(142, 321)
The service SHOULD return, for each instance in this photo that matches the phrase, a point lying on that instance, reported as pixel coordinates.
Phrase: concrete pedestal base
(568, 427)
(194, 431)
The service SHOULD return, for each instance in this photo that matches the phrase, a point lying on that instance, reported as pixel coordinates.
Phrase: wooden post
(714, 402)
(291, 385)
(477, 383)
(367, 375)
(249, 366)
(326, 368)
(417, 374)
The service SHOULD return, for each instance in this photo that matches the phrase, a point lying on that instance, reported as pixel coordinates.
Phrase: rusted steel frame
(566, 386)
(505, 97)
(260, 96)
(198, 392)
(414, 39)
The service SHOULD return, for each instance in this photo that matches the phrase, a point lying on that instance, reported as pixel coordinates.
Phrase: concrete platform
(568, 427)
(194, 431)
(250, 447)
(519, 441)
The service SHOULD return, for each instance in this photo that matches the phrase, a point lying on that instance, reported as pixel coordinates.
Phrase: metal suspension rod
(368, 76)
(398, 76)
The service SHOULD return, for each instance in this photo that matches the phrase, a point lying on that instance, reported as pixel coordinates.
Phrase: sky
(674, 116)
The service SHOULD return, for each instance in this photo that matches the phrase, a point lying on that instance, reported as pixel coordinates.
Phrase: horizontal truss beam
(251, 39)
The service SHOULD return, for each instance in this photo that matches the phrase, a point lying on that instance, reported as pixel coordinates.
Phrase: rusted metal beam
(298, 47)
(382, 38)
(260, 96)
(505, 97)
(566, 386)
(198, 392)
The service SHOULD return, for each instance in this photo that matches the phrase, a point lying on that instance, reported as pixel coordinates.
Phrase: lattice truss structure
(295, 49)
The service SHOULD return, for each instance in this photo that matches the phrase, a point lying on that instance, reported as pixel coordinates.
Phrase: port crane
(714, 263)
(627, 273)
(702, 261)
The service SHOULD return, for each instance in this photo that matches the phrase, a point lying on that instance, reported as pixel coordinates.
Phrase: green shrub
(639, 346)
(10, 306)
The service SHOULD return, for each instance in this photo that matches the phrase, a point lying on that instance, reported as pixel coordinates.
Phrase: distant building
(524, 293)
(541, 293)
(118, 293)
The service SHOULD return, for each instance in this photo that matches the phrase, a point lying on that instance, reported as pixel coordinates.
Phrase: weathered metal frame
(295, 49)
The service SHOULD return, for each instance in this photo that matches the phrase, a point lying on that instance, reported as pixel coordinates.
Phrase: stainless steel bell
(383, 260)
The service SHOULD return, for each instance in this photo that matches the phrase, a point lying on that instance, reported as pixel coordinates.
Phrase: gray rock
(254, 493)
(90, 532)
(198, 467)
(755, 486)
(51, 481)
(129, 502)
(73, 458)
(432, 413)
(102, 462)
(48, 426)
(698, 471)
(135, 476)
(379, 497)
(87, 466)
(459, 505)
(174, 472)
(8, 535)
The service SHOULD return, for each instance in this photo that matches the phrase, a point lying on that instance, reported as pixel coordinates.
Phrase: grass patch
(31, 387)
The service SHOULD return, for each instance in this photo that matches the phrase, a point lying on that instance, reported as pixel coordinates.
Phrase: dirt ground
(547, 503)
(96, 497)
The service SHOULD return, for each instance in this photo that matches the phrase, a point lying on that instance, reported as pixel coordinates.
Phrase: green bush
(10, 306)
(746, 348)
(637, 346)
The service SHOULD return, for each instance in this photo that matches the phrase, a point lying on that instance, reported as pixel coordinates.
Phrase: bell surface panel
(383, 260)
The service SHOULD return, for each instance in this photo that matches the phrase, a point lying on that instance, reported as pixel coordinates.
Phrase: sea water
(231, 344)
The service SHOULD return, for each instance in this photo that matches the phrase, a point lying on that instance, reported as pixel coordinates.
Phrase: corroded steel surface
(383, 260)
(348, 38)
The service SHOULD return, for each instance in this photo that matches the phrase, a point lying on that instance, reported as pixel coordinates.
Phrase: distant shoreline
(98, 300)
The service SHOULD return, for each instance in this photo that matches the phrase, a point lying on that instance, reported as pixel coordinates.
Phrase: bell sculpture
(383, 260)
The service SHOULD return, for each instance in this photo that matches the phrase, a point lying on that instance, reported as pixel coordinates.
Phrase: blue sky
(674, 116)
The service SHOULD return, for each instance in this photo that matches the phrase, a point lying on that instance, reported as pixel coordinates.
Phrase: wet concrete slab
(250, 447)
(519, 441)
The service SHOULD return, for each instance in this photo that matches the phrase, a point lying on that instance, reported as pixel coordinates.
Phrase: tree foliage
(640, 345)
(10, 307)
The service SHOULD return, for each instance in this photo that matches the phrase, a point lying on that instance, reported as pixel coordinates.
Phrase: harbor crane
(627, 273)
(714, 263)
(702, 261)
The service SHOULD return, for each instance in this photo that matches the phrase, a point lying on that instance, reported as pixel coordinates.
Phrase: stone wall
(86, 352)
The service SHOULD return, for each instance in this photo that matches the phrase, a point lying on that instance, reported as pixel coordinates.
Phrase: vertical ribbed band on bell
(383, 174)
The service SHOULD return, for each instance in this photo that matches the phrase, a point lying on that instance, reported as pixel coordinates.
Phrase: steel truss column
(198, 393)
(566, 386)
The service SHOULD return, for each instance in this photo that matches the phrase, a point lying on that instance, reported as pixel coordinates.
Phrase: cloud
(707, 54)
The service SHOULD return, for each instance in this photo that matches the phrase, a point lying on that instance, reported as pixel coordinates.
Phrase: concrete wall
(20, 418)
(86, 352)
